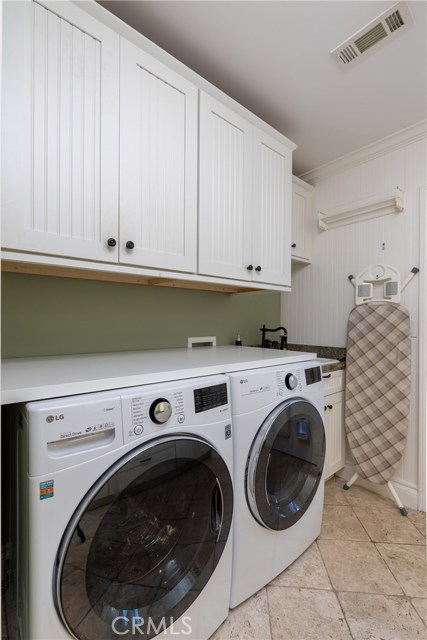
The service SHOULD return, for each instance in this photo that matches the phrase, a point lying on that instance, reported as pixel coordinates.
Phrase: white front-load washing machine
(125, 504)
(279, 451)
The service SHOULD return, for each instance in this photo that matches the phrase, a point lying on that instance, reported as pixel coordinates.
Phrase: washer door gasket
(285, 464)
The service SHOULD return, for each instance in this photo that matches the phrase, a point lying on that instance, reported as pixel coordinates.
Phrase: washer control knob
(160, 411)
(291, 381)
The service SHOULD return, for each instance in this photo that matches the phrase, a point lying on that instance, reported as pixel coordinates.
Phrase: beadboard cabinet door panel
(225, 207)
(271, 252)
(158, 164)
(60, 119)
(302, 220)
(335, 434)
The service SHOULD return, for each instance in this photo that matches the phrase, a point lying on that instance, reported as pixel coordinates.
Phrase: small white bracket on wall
(381, 204)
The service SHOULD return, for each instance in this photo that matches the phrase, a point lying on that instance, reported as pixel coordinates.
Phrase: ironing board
(378, 378)
(378, 383)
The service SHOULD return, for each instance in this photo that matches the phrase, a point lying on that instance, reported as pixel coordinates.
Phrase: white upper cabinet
(112, 153)
(158, 164)
(271, 215)
(225, 174)
(60, 118)
(244, 198)
(302, 220)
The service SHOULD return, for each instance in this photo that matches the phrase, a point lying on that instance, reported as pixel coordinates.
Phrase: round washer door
(285, 464)
(145, 540)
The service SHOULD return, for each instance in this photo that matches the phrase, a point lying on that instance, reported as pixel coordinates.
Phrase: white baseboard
(408, 493)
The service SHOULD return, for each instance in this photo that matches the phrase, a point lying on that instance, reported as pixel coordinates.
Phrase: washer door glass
(285, 464)
(145, 540)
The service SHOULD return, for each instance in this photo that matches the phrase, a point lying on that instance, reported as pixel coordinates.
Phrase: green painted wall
(52, 316)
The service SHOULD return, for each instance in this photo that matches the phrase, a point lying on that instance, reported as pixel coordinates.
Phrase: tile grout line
(403, 595)
(335, 592)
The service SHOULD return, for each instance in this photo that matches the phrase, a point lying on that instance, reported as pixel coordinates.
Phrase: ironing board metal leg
(397, 499)
(351, 481)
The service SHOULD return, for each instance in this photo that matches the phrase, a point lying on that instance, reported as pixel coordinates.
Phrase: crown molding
(395, 141)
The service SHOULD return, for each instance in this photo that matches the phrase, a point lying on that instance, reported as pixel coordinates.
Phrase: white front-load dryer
(125, 505)
(279, 452)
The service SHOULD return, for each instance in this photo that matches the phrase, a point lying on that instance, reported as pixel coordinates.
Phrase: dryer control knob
(160, 411)
(291, 381)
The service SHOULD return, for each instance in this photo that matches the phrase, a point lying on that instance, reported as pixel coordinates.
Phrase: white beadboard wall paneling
(317, 309)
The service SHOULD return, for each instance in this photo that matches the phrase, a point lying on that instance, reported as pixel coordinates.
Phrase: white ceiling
(273, 57)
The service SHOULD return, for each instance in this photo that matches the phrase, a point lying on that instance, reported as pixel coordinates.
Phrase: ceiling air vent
(395, 20)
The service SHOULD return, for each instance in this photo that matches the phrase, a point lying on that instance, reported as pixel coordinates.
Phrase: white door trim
(422, 440)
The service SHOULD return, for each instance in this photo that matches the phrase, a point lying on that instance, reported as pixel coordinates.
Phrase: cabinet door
(158, 163)
(271, 249)
(302, 221)
(60, 122)
(335, 435)
(225, 207)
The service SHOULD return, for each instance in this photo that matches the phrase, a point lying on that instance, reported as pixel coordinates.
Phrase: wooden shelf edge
(10, 266)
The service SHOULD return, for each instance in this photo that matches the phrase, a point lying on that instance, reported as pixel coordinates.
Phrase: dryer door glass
(285, 464)
(145, 541)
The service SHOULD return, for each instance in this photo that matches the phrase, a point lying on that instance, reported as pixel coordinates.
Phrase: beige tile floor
(364, 578)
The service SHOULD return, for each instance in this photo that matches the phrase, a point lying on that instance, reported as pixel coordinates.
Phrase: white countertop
(25, 379)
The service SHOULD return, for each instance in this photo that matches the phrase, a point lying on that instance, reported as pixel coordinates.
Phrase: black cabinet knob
(250, 267)
(258, 268)
(329, 406)
(111, 242)
(130, 244)
(325, 407)
(293, 245)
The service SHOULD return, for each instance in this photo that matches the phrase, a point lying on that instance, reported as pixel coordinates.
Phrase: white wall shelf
(375, 206)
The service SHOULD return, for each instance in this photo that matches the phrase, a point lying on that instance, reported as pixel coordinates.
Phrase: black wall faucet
(283, 337)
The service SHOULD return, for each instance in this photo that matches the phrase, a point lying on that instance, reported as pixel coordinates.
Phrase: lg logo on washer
(53, 418)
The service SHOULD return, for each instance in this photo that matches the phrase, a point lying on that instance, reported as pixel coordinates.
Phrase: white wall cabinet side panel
(302, 221)
(271, 251)
(335, 434)
(158, 163)
(225, 207)
(60, 119)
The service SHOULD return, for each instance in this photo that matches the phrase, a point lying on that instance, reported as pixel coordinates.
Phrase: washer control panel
(150, 409)
(251, 390)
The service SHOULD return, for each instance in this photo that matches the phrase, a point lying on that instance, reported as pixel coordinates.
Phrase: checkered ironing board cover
(378, 384)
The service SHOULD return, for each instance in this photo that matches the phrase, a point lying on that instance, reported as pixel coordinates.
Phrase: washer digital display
(312, 375)
(210, 397)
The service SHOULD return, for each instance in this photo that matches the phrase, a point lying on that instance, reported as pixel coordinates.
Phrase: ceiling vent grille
(389, 23)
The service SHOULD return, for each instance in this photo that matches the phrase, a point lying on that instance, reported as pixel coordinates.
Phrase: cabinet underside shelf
(12, 266)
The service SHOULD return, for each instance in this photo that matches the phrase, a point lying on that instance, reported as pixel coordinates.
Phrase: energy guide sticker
(46, 489)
